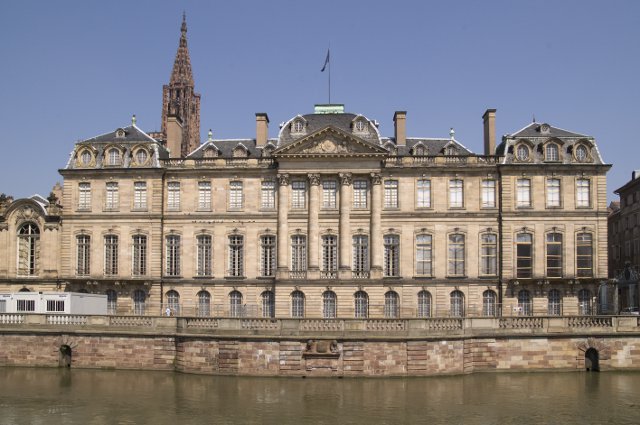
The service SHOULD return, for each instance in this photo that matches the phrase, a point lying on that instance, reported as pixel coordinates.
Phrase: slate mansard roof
(126, 140)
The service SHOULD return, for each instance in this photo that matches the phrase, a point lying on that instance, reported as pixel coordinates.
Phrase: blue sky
(74, 69)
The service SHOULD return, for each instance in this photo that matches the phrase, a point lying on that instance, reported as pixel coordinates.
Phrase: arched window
(581, 153)
(235, 304)
(554, 303)
(204, 304)
(329, 305)
(391, 305)
(361, 304)
(28, 249)
(584, 302)
(297, 304)
(489, 304)
(551, 152)
(424, 303)
(524, 303)
(522, 152)
(25, 289)
(268, 304)
(419, 150)
(173, 302)
(112, 301)
(139, 299)
(457, 304)
(113, 157)
(141, 156)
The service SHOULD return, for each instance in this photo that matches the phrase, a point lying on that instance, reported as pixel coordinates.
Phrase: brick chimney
(400, 125)
(262, 128)
(174, 136)
(489, 119)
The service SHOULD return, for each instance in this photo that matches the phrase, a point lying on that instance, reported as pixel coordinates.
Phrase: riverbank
(316, 347)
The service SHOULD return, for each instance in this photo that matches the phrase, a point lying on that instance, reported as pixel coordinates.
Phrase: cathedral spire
(181, 103)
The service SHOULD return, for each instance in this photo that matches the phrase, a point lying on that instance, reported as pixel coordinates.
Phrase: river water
(74, 396)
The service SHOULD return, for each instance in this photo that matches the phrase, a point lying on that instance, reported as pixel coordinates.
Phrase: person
(167, 312)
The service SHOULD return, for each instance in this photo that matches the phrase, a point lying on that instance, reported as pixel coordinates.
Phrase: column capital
(376, 178)
(314, 179)
(346, 178)
(283, 179)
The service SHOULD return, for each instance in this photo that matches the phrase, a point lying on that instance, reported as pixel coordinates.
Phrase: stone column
(376, 226)
(283, 226)
(313, 228)
(345, 225)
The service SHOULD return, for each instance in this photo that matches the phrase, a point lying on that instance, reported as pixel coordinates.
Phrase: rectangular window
(360, 188)
(112, 201)
(139, 254)
(584, 255)
(173, 255)
(236, 195)
(84, 196)
(488, 254)
(423, 193)
(111, 255)
(204, 196)
(391, 256)
(204, 246)
(329, 192)
(391, 193)
(523, 193)
(553, 193)
(84, 255)
(26, 305)
(524, 255)
(268, 195)
(488, 194)
(173, 196)
(236, 256)
(298, 194)
(583, 193)
(424, 252)
(456, 255)
(329, 253)
(55, 305)
(456, 193)
(298, 253)
(360, 254)
(554, 254)
(268, 256)
(140, 195)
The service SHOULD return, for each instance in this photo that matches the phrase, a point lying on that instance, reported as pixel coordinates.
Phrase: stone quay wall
(315, 347)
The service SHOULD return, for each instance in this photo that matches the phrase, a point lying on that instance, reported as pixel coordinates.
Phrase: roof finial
(210, 136)
(534, 118)
(133, 119)
(452, 133)
(183, 28)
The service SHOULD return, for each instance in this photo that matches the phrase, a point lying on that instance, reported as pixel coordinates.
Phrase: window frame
(456, 263)
(456, 193)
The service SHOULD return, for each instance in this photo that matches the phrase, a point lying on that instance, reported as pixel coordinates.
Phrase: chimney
(489, 119)
(174, 136)
(400, 125)
(262, 128)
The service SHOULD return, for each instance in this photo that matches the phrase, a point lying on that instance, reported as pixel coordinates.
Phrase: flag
(326, 61)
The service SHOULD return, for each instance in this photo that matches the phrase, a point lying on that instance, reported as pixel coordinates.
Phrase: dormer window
(297, 126)
(522, 152)
(120, 133)
(141, 156)
(210, 152)
(239, 152)
(266, 152)
(581, 153)
(419, 150)
(360, 126)
(450, 151)
(85, 158)
(551, 152)
(113, 157)
(544, 128)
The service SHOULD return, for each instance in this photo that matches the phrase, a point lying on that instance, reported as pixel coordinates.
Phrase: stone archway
(592, 353)
(592, 360)
(65, 345)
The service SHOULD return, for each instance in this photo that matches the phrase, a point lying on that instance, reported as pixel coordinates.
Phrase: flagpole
(329, 53)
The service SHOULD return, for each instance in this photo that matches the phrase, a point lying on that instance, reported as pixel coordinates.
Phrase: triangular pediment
(329, 142)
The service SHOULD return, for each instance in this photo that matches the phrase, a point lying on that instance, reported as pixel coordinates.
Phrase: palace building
(330, 219)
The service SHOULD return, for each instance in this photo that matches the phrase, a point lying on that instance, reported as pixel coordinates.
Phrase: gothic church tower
(181, 104)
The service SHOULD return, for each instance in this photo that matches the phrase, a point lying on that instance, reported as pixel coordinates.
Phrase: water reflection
(63, 396)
